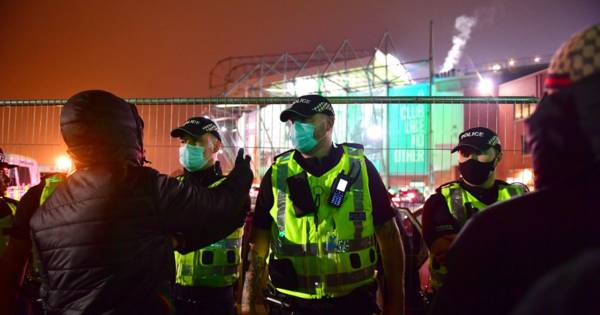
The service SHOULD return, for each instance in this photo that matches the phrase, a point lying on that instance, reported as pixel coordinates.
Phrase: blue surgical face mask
(303, 136)
(192, 157)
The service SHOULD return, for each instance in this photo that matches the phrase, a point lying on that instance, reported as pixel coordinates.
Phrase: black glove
(242, 160)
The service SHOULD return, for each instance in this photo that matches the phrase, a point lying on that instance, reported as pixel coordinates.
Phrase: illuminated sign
(408, 133)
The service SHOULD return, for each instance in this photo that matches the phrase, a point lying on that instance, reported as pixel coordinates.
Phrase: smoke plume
(463, 25)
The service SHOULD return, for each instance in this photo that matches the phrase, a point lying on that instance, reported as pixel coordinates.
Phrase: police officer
(20, 277)
(8, 206)
(205, 277)
(503, 252)
(320, 209)
(446, 211)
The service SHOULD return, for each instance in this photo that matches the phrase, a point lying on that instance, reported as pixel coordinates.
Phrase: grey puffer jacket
(104, 235)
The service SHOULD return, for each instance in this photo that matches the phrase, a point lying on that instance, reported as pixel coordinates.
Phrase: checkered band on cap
(576, 59)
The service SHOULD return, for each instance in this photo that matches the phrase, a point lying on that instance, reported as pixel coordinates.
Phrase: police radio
(338, 189)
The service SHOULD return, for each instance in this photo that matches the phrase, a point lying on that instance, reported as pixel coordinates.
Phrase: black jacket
(503, 251)
(104, 236)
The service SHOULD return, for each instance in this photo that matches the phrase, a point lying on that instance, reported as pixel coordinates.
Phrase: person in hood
(502, 252)
(104, 236)
(447, 211)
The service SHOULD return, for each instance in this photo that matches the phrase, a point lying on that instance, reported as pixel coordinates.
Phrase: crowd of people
(117, 237)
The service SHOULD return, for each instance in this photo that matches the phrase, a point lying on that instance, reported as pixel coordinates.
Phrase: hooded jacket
(104, 235)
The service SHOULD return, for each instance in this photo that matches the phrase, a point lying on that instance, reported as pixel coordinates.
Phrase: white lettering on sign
(411, 112)
(410, 156)
(413, 128)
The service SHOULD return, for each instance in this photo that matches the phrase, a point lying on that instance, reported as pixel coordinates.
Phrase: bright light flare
(63, 163)
(537, 59)
(374, 132)
(511, 62)
(496, 67)
(486, 86)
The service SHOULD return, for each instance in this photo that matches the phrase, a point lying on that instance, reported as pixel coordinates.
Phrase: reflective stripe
(512, 191)
(357, 188)
(232, 243)
(312, 249)
(49, 187)
(221, 271)
(458, 208)
(308, 283)
(13, 207)
(210, 270)
(282, 174)
(217, 183)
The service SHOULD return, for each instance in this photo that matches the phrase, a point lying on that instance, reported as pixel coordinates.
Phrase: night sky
(52, 49)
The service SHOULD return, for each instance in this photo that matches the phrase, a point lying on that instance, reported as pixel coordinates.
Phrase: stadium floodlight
(486, 86)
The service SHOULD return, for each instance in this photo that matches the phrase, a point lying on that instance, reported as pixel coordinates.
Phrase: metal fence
(407, 138)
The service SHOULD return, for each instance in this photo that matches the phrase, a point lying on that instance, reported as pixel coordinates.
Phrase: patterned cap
(196, 127)
(306, 106)
(479, 139)
(577, 58)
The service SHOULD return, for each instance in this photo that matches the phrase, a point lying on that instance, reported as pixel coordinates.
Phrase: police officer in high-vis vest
(8, 206)
(205, 278)
(446, 211)
(20, 277)
(321, 212)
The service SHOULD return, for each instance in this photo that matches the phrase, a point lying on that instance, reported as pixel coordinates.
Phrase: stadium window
(518, 111)
(24, 175)
(523, 111)
(525, 149)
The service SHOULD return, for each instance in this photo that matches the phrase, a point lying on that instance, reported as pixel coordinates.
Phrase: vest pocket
(355, 260)
(208, 257)
(230, 256)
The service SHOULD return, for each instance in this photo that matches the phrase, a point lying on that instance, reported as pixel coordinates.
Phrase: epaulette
(523, 186)
(501, 182)
(283, 153)
(442, 186)
(354, 145)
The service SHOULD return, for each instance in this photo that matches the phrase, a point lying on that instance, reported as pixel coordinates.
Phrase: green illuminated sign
(408, 126)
